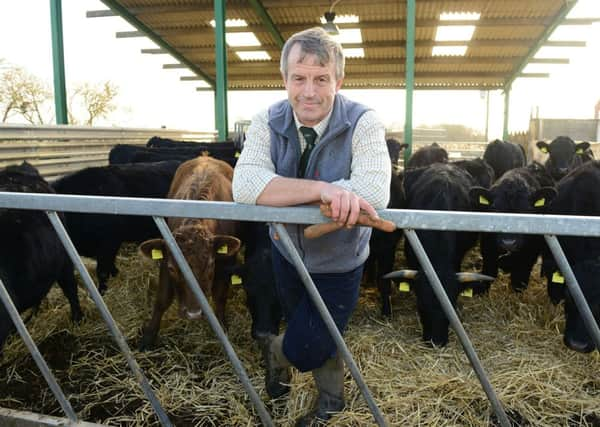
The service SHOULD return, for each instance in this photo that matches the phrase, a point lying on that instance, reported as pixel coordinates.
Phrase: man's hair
(314, 41)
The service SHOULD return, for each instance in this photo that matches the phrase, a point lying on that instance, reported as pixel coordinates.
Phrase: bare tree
(98, 100)
(22, 93)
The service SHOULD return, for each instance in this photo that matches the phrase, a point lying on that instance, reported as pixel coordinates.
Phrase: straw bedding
(517, 338)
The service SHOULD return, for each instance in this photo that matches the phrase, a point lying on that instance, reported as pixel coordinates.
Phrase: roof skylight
(343, 19)
(454, 32)
(349, 35)
(459, 16)
(254, 55)
(449, 50)
(231, 23)
(241, 39)
(355, 52)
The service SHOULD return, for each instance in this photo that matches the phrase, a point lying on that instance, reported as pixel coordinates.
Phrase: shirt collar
(319, 127)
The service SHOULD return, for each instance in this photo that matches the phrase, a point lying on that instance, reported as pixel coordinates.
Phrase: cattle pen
(547, 225)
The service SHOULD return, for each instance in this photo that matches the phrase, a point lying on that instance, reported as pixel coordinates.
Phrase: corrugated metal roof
(505, 35)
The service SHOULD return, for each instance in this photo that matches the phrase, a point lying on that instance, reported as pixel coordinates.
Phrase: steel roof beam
(131, 19)
(543, 40)
(267, 22)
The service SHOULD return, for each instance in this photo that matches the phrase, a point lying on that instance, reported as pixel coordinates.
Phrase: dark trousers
(307, 343)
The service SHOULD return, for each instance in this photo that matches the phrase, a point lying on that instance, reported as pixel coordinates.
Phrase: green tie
(309, 136)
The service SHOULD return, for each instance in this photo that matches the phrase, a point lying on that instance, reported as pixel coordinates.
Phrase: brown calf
(208, 245)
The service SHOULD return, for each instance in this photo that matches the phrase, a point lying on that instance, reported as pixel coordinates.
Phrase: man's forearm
(281, 191)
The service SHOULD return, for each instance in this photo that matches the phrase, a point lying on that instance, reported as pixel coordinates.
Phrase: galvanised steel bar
(331, 327)
(450, 313)
(212, 320)
(574, 289)
(58, 61)
(35, 353)
(110, 322)
(563, 225)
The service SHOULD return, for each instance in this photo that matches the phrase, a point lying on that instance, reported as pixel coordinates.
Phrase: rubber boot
(329, 379)
(277, 375)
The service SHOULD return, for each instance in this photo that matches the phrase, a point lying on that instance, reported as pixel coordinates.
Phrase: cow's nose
(579, 346)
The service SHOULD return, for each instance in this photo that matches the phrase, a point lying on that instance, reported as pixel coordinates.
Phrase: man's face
(311, 87)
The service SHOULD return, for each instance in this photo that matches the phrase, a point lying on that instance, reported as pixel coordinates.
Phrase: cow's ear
(581, 147)
(153, 249)
(541, 198)
(481, 198)
(543, 146)
(226, 246)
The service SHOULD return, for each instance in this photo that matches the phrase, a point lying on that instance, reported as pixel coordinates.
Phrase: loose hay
(517, 338)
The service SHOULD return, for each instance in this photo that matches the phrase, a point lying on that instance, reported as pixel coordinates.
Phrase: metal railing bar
(212, 320)
(108, 319)
(450, 313)
(586, 226)
(331, 327)
(35, 353)
(574, 289)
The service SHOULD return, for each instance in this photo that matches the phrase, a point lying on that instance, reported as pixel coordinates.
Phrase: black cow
(123, 153)
(578, 194)
(479, 169)
(395, 147)
(522, 190)
(564, 155)
(438, 187)
(100, 236)
(427, 155)
(258, 280)
(32, 257)
(383, 248)
(158, 142)
(503, 156)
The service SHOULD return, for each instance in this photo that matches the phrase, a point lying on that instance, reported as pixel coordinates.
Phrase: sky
(151, 97)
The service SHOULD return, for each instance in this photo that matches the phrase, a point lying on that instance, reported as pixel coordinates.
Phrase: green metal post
(221, 78)
(58, 61)
(506, 107)
(410, 76)
(487, 115)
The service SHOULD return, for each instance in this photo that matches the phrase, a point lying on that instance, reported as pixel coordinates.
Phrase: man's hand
(345, 205)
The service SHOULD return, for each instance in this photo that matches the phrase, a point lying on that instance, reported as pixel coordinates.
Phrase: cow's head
(576, 336)
(511, 196)
(202, 249)
(564, 154)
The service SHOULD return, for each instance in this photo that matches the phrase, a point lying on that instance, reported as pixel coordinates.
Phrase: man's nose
(309, 89)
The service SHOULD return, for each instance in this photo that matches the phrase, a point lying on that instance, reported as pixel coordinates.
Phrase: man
(349, 169)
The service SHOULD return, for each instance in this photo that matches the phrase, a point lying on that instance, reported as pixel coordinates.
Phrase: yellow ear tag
(539, 203)
(544, 150)
(222, 250)
(404, 287)
(237, 154)
(558, 278)
(483, 201)
(467, 293)
(579, 151)
(157, 254)
(236, 280)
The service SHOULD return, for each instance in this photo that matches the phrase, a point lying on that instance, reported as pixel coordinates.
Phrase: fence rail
(61, 149)
(548, 225)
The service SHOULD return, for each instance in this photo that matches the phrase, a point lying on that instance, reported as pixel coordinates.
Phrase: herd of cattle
(32, 257)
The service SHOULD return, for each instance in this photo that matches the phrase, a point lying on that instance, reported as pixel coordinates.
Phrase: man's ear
(153, 249)
(338, 84)
(542, 198)
(481, 198)
(543, 146)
